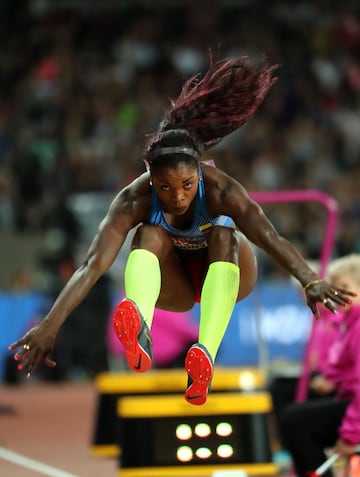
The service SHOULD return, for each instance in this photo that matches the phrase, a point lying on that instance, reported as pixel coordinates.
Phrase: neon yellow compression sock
(143, 281)
(218, 298)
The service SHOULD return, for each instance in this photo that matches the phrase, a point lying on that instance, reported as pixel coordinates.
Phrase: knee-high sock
(143, 281)
(218, 298)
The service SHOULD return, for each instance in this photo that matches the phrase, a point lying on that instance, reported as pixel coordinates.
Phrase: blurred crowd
(81, 87)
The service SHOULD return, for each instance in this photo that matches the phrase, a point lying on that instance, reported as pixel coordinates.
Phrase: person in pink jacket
(326, 331)
(308, 428)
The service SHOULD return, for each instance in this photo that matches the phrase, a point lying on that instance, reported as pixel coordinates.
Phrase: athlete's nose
(178, 198)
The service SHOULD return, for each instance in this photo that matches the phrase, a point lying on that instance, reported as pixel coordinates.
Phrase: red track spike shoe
(200, 367)
(134, 335)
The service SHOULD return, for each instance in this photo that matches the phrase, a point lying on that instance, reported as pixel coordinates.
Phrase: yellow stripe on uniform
(205, 227)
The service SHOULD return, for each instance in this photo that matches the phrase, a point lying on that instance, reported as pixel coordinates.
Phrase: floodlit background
(83, 81)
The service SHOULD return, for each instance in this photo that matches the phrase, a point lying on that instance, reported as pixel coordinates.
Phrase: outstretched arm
(251, 220)
(37, 344)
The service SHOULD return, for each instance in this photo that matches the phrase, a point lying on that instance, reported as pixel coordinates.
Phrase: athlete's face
(176, 187)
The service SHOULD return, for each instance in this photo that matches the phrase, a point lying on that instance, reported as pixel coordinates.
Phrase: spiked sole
(127, 326)
(200, 370)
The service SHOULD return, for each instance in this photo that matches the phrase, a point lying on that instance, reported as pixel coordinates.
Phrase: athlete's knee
(226, 235)
(225, 242)
(151, 237)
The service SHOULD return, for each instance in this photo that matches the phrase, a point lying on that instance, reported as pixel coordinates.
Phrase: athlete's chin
(179, 211)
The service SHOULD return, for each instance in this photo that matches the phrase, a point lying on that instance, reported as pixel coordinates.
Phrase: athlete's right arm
(126, 211)
(111, 234)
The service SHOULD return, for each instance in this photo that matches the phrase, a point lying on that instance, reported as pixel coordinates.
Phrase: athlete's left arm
(231, 198)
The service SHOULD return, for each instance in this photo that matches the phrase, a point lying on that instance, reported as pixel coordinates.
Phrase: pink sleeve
(325, 333)
(349, 430)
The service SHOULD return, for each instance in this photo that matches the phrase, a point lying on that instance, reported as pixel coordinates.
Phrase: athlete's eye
(188, 185)
(165, 187)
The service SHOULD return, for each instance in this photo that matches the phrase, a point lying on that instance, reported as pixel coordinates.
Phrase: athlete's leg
(228, 253)
(176, 292)
(153, 276)
(230, 256)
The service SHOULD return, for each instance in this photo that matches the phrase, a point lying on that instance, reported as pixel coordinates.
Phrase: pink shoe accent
(130, 327)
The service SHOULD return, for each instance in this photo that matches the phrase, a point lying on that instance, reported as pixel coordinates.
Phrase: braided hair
(209, 108)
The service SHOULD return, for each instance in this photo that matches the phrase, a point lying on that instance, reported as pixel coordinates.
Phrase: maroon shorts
(196, 268)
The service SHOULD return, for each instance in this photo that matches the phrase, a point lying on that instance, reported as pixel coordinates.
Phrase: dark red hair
(213, 105)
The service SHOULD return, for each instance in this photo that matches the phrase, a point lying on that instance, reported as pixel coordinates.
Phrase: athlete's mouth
(179, 210)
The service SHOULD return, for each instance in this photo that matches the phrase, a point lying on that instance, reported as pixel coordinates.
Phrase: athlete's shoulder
(138, 187)
(135, 197)
(222, 191)
(215, 178)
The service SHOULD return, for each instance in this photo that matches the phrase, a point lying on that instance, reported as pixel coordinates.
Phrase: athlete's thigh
(177, 292)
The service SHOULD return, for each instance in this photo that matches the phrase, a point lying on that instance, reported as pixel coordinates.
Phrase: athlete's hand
(35, 347)
(321, 291)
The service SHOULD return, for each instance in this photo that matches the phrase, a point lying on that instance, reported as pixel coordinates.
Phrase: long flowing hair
(213, 105)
